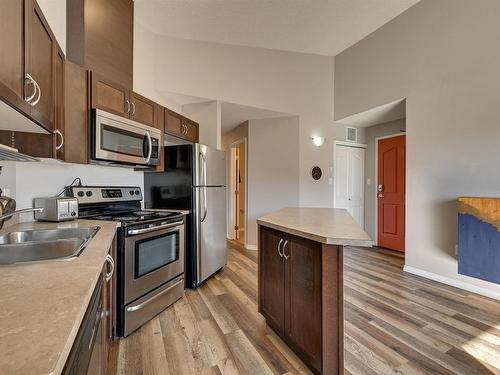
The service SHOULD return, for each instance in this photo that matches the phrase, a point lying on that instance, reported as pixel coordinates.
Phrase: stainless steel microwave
(117, 140)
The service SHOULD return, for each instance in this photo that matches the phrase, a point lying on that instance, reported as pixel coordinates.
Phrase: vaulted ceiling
(324, 27)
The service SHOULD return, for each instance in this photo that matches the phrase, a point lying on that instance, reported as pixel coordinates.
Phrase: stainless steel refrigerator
(194, 180)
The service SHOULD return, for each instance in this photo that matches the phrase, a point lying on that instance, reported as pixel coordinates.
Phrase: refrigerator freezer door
(211, 230)
(210, 166)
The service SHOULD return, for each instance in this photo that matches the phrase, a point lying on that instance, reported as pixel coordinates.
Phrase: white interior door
(349, 169)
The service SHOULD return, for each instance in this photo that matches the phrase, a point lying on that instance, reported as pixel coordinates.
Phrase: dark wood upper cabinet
(41, 65)
(28, 51)
(180, 126)
(76, 120)
(59, 146)
(12, 54)
(191, 130)
(173, 123)
(290, 291)
(109, 96)
(143, 110)
(100, 36)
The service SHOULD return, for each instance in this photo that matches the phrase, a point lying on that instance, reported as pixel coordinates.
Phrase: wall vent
(351, 134)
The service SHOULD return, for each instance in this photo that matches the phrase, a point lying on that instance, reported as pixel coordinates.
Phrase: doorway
(391, 192)
(238, 191)
(349, 175)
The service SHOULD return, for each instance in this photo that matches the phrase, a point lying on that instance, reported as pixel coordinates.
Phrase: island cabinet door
(303, 315)
(272, 278)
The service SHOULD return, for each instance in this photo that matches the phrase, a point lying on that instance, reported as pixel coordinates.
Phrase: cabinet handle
(127, 102)
(133, 108)
(30, 81)
(58, 133)
(283, 251)
(279, 247)
(111, 262)
(39, 94)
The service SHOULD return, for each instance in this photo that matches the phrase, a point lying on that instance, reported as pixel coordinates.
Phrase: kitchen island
(300, 280)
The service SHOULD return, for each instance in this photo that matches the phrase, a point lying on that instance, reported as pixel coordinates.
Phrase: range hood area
(12, 120)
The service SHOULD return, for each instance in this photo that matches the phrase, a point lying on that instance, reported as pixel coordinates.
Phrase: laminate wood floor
(395, 323)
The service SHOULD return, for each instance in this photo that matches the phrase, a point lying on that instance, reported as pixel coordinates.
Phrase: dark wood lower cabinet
(303, 297)
(272, 270)
(89, 355)
(300, 295)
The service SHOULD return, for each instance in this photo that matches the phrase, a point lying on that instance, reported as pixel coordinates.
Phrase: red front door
(391, 192)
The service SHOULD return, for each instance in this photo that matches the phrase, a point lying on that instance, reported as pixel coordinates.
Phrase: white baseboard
(456, 283)
(252, 247)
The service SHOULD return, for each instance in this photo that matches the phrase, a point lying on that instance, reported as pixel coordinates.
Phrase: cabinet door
(76, 123)
(107, 296)
(191, 130)
(59, 105)
(109, 96)
(272, 278)
(143, 110)
(303, 314)
(107, 43)
(12, 54)
(40, 65)
(173, 123)
(160, 120)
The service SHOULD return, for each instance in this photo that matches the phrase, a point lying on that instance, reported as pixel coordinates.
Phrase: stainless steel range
(150, 252)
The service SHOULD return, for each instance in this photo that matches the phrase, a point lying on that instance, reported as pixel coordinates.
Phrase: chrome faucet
(7, 216)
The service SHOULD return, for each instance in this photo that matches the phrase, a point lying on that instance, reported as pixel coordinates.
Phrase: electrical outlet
(368, 181)
(456, 250)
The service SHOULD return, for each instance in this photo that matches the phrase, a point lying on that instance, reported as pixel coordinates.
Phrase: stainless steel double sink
(44, 244)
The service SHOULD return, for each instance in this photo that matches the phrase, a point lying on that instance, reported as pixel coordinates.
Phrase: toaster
(57, 208)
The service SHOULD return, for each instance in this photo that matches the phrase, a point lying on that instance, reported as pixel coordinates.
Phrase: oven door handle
(133, 232)
(142, 304)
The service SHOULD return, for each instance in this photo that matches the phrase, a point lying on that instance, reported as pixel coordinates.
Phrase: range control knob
(88, 193)
(80, 193)
(131, 192)
(137, 192)
(73, 213)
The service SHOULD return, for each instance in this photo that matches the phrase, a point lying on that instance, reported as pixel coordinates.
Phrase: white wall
(27, 181)
(273, 169)
(208, 115)
(319, 193)
(441, 56)
(286, 82)
(55, 13)
(372, 133)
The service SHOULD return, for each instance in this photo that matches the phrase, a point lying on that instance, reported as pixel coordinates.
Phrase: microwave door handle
(150, 147)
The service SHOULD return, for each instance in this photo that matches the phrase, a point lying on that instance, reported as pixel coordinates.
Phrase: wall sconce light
(318, 141)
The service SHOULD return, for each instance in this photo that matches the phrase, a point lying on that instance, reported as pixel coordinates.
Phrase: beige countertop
(42, 304)
(332, 226)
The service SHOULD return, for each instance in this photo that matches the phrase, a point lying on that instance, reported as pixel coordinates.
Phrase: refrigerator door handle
(204, 167)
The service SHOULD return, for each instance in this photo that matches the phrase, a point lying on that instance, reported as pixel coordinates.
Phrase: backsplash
(26, 181)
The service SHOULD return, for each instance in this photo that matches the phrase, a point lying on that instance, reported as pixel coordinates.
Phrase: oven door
(117, 139)
(153, 256)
